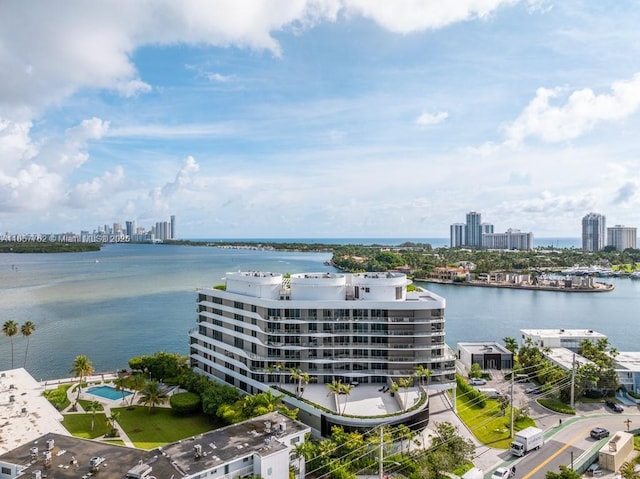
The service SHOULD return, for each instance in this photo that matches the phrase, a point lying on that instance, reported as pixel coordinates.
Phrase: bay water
(132, 299)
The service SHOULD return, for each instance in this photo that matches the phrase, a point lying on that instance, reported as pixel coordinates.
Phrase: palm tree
(300, 377)
(92, 407)
(423, 372)
(81, 368)
(405, 383)
(27, 330)
(152, 395)
(113, 420)
(511, 344)
(10, 329)
(121, 383)
(627, 470)
(335, 389)
(136, 383)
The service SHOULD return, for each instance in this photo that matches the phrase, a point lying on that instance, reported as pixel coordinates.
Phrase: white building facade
(622, 237)
(512, 240)
(593, 232)
(364, 328)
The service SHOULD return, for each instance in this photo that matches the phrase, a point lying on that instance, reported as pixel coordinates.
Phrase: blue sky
(324, 118)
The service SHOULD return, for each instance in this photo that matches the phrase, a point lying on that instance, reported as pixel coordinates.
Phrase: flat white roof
(563, 357)
(39, 416)
(563, 333)
(628, 360)
(483, 347)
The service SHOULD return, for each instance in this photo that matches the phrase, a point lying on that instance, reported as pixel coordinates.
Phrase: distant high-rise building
(458, 235)
(173, 227)
(131, 228)
(485, 229)
(621, 237)
(593, 232)
(512, 239)
(474, 237)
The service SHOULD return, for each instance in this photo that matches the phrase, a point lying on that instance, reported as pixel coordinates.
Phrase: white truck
(527, 440)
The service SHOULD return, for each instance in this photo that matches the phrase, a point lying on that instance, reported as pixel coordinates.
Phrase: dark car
(599, 433)
(614, 406)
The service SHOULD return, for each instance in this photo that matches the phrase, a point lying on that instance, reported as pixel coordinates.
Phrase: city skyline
(323, 118)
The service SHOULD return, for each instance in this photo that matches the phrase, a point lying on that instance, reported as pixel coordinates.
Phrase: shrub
(185, 403)
(58, 396)
(472, 395)
(557, 406)
(634, 395)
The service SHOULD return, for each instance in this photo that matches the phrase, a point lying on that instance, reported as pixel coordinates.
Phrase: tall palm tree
(10, 329)
(136, 383)
(92, 407)
(152, 395)
(81, 368)
(121, 383)
(405, 383)
(27, 330)
(113, 420)
(335, 389)
(422, 372)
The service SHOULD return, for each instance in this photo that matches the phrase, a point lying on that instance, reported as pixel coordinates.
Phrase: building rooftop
(563, 333)
(629, 360)
(118, 459)
(24, 413)
(481, 347)
(563, 357)
(256, 436)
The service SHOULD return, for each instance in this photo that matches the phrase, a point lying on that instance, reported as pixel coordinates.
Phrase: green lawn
(80, 425)
(160, 426)
(85, 404)
(487, 425)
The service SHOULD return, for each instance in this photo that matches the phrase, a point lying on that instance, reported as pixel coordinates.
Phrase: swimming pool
(108, 392)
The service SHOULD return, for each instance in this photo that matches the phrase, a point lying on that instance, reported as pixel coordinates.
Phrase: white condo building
(353, 328)
(622, 237)
(512, 240)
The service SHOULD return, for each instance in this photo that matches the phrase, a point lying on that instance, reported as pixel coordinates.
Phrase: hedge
(557, 406)
(185, 403)
(472, 395)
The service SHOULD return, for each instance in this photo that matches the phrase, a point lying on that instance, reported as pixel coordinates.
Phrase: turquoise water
(108, 392)
(139, 299)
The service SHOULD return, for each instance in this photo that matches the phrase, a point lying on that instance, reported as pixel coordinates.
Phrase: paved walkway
(107, 404)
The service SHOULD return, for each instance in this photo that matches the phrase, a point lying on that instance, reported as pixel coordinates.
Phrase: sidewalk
(72, 395)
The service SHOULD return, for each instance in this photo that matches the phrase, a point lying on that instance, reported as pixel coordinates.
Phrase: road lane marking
(556, 454)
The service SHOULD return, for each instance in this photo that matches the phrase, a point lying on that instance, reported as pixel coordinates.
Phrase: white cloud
(174, 131)
(408, 16)
(97, 191)
(90, 45)
(161, 195)
(219, 78)
(428, 119)
(581, 112)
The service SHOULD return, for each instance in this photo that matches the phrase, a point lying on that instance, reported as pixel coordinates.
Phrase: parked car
(533, 390)
(477, 382)
(500, 473)
(599, 433)
(614, 406)
(594, 470)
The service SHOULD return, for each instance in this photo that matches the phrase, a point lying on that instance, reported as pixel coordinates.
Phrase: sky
(319, 118)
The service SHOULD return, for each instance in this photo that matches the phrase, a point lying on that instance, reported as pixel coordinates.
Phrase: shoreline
(601, 288)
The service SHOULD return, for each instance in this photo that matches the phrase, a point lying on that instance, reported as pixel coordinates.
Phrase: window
(238, 305)
(399, 292)
(295, 440)
(7, 471)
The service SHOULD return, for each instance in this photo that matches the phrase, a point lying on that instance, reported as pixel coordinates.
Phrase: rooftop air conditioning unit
(12, 386)
(47, 456)
(197, 451)
(12, 398)
(37, 474)
(33, 451)
(50, 444)
(283, 427)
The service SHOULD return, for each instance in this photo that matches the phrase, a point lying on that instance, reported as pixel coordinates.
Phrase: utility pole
(572, 460)
(573, 381)
(512, 381)
(380, 466)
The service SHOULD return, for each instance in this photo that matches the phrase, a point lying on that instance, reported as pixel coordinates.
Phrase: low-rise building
(560, 338)
(259, 447)
(489, 355)
(564, 358)
(627, 365)
(616, 451)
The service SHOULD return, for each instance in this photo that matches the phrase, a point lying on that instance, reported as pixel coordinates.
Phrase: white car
(477, 382)
(500, 473)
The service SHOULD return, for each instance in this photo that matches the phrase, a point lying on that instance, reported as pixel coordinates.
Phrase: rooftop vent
(33, 451)
(197, 451)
